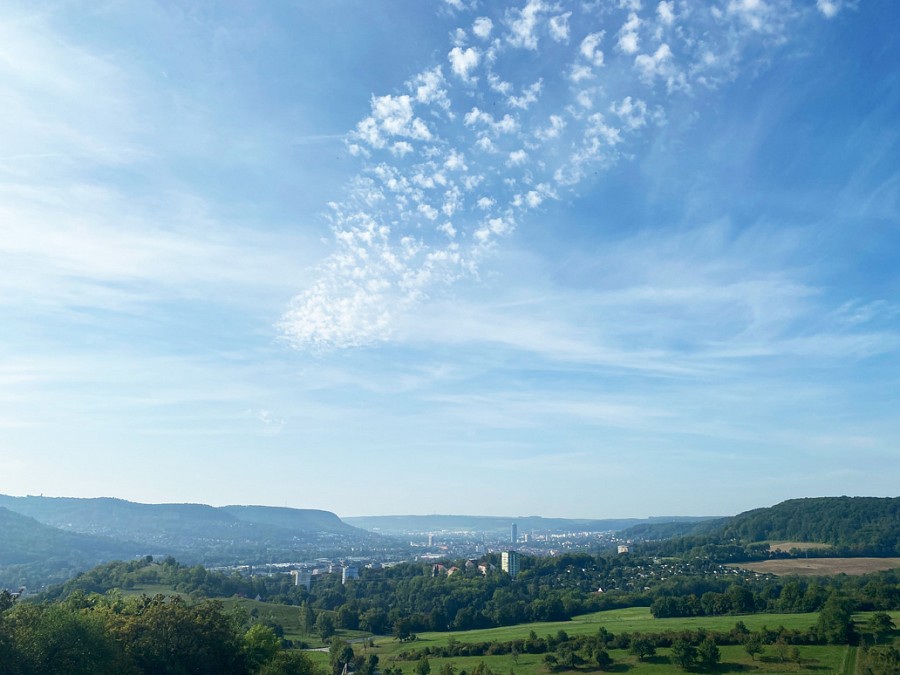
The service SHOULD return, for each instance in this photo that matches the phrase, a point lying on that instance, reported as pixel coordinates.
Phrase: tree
(642, 647)
(550, 661)
(753, 645)
(403, 630)
(781, 649)
(880, 625)
(683, 653)
(261, 645)
(423, 667)
(708, 653)
(603, 659)
(307, 618)
(340, 653)
(325, 626)
(448, 669)
(835, 624)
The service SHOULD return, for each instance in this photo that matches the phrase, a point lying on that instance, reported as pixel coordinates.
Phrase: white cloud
(589, 50)
(529, 96)
(559, 27)
(429, 87)
(401, 148)
(463, 61)
(557, 124)
(632, 113)
(628, 35)
(580, 72)
(666, 12)
(482, 27)
(517, 158)
(831, 8)
(523, 24)
(661, 64)
(391, 116)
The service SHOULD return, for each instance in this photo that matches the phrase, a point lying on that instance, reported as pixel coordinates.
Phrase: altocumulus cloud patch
(527, 101)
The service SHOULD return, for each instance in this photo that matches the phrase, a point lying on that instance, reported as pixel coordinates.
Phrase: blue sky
(587, 259)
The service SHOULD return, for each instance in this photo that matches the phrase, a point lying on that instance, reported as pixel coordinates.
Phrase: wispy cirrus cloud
(453, 164)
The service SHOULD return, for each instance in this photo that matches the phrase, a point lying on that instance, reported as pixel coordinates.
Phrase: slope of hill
(852, 522)
(31, 551)
(299, 520)
(195, 533)
(850, 526)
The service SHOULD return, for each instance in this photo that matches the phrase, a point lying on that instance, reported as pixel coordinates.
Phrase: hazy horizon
(570, 258)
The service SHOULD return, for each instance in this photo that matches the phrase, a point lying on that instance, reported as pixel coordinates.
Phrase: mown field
(798, 545)
(821, 566)
(630, 620)
(822, 659)
(814, 659)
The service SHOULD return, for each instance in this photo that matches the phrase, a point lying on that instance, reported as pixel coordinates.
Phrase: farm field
(631, 620)
(798, 545)
(821, 566)
(837, 659)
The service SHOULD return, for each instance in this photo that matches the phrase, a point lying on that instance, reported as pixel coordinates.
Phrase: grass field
(631, 620)
(786, 546)
(814, 659)
(821, 566)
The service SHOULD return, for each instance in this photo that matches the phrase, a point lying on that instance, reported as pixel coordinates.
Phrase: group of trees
(116, 635)
(688, 649)
(708, 596)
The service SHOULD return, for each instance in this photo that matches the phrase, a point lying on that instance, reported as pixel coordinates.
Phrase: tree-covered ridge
(121, 518)
(195, 532)
(862, 523)
(32, 553)
(850, 526)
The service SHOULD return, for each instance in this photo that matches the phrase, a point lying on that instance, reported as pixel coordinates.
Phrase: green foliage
(684, 654)
(753, 645)
(423, 667)
(884, 660)
(835, 625)
(880, 625)
(642, 648)
(708, 653)
(260, 645)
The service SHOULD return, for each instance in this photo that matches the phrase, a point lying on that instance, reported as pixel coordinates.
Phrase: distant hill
(850, 526)
(194, 533)
(33, 552)
(154, 523)
(499, 525)
(300, 520)
(657, 531)
(854, 522)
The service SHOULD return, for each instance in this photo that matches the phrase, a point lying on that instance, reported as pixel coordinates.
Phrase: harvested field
(786, 546)
(821, 566)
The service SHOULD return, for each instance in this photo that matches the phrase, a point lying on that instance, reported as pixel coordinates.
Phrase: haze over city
(576, 259)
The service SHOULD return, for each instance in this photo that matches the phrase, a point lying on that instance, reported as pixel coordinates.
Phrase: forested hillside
(31, 552)
(850, 526)
(49, 539)
(848, 522)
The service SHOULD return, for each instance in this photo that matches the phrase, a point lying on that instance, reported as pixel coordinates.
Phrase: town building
(509, 562)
